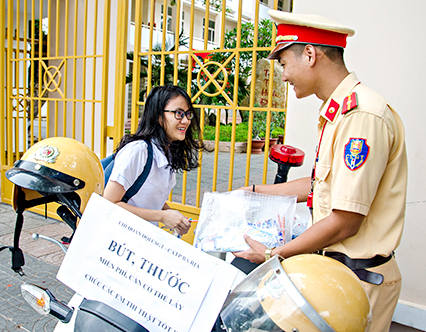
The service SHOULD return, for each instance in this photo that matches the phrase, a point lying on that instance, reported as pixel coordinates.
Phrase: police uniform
(360, 167)
(129, 164)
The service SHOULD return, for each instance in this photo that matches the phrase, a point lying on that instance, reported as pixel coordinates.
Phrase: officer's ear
(311, 54)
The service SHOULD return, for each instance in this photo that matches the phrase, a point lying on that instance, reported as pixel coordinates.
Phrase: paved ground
(238, 175)
(43, 258)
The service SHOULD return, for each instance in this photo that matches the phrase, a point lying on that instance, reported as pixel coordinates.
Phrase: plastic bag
(226, 217)
(301, 220)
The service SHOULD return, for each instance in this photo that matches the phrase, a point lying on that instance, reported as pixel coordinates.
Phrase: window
(183, 20)
(211, 27)
(285, 5)
(169, 18)
(264, 2)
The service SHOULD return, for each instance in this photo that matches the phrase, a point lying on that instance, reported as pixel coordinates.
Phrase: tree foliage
(264, 39)
(157, 63)
(247, 41)
(242, 80)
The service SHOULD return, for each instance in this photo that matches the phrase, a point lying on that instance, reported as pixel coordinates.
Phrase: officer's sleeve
(129, 163)
(360, 151)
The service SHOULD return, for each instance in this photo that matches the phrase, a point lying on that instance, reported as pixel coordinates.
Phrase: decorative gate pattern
(55, 62)
(83, 68)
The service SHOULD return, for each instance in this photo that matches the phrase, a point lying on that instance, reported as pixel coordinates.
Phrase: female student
(170, 124)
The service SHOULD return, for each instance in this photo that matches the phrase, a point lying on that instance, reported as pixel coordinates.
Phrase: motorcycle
(80, 314)
(251, 306)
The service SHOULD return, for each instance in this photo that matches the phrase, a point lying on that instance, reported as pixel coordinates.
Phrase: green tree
(245, 61)
(247, 41)
(157, 65)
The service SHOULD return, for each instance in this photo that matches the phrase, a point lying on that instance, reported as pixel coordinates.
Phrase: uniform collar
(331, 107)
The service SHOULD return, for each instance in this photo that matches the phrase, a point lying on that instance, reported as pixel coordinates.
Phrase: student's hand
(256, 253)
(175, 220)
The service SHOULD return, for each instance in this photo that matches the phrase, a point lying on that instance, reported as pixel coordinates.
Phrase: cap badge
(356, 153)
(47, 153)
(288, 38)
(332, 109)
(350, 103)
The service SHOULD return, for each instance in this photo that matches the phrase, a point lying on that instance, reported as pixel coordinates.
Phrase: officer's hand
(256, 253)
(175, 220)
(250, 188)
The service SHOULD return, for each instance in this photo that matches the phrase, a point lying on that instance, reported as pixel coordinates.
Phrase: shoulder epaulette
(350, 103)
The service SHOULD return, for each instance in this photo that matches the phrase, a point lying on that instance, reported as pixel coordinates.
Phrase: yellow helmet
(57, 169)
(302, 293)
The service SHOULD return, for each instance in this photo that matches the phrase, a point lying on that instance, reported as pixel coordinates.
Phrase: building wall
(386, 54)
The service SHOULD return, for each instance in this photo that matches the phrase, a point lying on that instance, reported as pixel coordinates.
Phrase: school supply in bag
(226, 217)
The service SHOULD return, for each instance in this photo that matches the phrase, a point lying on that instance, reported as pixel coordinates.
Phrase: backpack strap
(142, 177)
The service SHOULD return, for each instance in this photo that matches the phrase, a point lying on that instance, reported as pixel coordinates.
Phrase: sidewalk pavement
(42, 258)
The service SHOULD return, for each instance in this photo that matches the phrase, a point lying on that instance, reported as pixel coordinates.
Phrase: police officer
(358, 185)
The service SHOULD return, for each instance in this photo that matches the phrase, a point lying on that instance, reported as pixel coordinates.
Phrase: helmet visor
(40, 178)
(267, 300)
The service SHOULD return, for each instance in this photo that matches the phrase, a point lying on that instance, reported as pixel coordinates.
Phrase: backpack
(108, 165)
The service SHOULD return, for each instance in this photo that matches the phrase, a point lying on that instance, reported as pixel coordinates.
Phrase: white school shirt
(129, 164)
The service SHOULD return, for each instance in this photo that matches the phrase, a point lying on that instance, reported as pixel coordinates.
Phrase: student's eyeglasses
(179, 114)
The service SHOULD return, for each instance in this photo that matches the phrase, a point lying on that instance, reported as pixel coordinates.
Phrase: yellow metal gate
(55, 65)
(83, 68)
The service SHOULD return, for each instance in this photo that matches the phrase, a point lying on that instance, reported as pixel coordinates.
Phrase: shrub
(226, 132)
(277, 131)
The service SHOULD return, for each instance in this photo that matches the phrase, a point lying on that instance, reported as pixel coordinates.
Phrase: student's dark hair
(181, 155)
(335, 54)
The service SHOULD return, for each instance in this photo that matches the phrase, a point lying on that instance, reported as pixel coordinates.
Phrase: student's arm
(173, 219)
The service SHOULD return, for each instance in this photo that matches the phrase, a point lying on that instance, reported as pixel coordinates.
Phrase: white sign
(154, 278)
